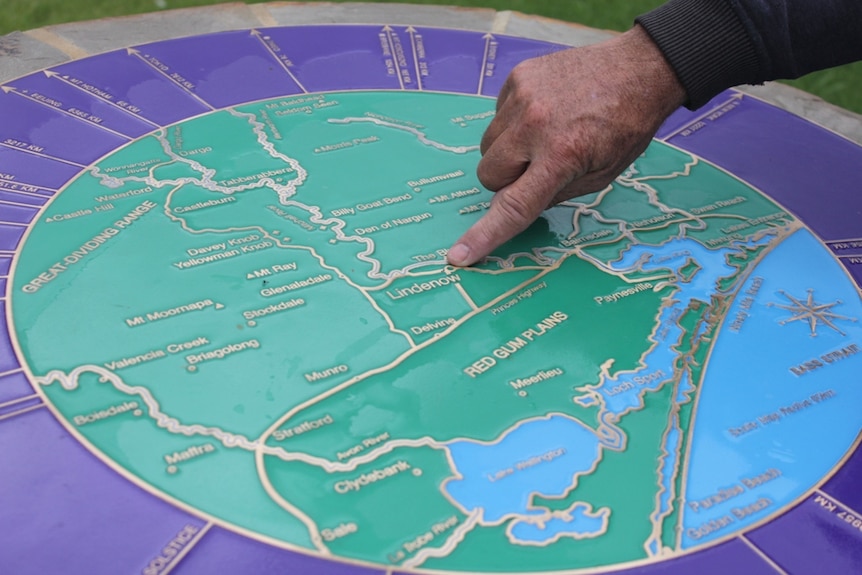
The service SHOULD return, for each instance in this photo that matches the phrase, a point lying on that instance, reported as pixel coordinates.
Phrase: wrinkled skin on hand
(566, 125)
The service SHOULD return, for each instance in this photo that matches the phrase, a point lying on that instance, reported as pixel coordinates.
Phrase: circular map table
(232, 342)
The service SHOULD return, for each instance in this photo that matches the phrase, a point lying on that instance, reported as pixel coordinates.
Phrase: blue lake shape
(577, 522)
(537, 457)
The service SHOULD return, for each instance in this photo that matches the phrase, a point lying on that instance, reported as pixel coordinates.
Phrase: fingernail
(459, 255)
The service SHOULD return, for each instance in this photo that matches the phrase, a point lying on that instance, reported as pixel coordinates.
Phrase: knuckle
(516, 209)
(485, 172)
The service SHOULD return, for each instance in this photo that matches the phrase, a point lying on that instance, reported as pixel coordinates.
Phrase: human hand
(567, 124)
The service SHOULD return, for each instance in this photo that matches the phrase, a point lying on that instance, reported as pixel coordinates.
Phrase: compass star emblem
(812, 312)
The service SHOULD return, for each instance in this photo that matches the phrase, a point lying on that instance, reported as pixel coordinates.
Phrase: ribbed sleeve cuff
(706, 44)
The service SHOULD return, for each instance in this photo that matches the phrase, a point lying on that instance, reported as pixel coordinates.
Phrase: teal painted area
(250, 312)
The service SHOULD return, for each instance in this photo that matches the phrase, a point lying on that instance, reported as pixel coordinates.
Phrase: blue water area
(624, 392)
(778, 407)
(579, 524)
(538, 457)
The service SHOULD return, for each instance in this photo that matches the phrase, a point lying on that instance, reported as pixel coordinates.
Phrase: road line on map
(186, 548)
(421, 136)
(762, 554)
(466, 296)
(310, 524)
(387, 281)
(448, 546)
(20, 411)
(71, 380)
(686, 172)
(398, 360)
(386, 317)
(18, 224)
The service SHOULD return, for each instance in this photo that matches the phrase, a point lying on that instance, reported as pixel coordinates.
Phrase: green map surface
(250, 314)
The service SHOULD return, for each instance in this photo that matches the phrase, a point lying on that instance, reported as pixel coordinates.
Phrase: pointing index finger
(512, 210)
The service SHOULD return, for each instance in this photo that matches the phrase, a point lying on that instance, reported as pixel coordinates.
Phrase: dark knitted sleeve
(716, 44)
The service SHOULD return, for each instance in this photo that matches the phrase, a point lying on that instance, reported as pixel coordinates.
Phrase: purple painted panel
(784, 157)
(731, 557)
(21, 198)
(8, 359)
(14, 386)
(133, 84)
(845, 484)
(51, 88)
(450, 60)
(227, 553)
(17, 214)
(814, 538)
(10, 236)
(10, 185)
(16, 407)
(728, 558)
(23, 171)
(224, 69)
(54, 492)
(5, 265)
(847, 247)
(502, 53)
(327, 58)
(43, 131)
(682, 117)
(854, 266)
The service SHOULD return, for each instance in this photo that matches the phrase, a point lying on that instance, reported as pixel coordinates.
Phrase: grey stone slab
(298, 13)
(811, 108)
(20, 55)
(540, 28)
(98, 36)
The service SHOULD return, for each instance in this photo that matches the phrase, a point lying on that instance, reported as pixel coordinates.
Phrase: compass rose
(812, 312)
